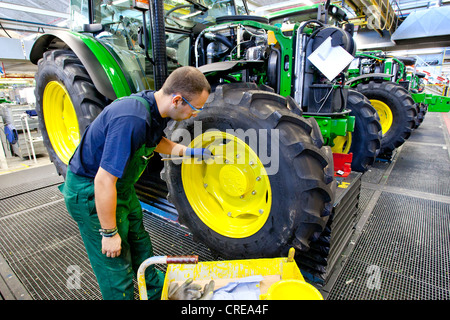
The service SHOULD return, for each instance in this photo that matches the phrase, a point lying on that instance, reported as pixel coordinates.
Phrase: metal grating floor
(422, 167)
(406, 243)
(400, 248)
(41, 244)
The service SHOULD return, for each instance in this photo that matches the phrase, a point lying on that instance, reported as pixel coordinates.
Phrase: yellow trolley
(282, 279)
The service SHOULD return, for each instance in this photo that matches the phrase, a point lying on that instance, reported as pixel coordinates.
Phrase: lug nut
(261, 211)
(229, 214)
(258, 178)
(253, 192)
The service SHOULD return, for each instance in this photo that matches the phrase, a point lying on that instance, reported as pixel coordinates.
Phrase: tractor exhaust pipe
(159, 42)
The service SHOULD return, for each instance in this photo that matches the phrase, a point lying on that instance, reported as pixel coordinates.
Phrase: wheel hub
(236, 181)
(342, 144)
(61, 120)
(385, 114)
(230, 193)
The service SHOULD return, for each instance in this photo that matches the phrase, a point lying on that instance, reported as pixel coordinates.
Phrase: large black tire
(366, 138)
(365, 142)
(64, 67)
(302, 189)
(421, 110)
(401, 105)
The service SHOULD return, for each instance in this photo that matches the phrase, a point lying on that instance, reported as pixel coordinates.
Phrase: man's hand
(105, 203)
(111, 246)
(198, 153)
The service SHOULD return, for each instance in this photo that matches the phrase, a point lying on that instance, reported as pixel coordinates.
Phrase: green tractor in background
(275, 187)
(427, 101)
(416, 87)
(380, 79)
(275, 51)
(396, 90)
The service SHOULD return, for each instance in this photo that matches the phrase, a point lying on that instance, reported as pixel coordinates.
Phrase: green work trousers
(114, 275)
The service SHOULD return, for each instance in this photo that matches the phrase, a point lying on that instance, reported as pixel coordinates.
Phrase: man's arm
(166, 146)
(105, 202)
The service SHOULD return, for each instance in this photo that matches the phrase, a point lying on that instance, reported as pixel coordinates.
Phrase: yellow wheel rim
(230, 193)
(342, 144)
(385, 114)
(60, 120)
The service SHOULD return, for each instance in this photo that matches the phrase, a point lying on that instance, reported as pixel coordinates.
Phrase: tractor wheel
(396, 110)
(421, 110)
(66, 103)
(365, 141)
(270, 185)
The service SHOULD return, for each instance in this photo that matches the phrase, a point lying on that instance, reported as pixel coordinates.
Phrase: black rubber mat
(405, 246)
(430, 131)
(375, 172)
(422, 168)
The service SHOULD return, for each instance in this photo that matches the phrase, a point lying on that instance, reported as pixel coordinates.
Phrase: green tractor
(275, 187)
(397, 91)
(426, 101)
(416, 87)
(275, 51)
(381, 79)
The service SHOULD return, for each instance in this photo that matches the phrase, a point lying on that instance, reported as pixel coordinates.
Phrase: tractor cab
(125, 28)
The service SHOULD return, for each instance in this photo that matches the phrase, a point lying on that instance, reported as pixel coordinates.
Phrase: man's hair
(187, 81)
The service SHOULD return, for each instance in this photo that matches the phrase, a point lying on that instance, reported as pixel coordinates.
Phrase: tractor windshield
(300, 14)
(122, 27)
(185, 14)
(120, 14)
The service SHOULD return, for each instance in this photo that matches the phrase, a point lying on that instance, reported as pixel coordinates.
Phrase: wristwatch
(108, 232)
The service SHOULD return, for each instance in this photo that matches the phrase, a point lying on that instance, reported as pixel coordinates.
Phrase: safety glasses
(196, 110)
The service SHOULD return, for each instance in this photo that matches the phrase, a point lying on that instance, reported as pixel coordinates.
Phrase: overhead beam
(28, 26)
(21, 8)
(274, 6)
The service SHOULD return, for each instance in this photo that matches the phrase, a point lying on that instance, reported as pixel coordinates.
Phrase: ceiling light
(414, 52)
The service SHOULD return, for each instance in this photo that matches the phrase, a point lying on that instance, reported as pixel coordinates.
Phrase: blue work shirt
(112, 138)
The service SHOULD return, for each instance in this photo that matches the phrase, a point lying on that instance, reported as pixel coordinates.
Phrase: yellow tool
(176, 158)
(159, 260)
(186, 158)
(282, 274)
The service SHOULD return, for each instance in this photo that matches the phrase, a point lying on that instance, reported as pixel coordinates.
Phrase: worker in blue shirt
(99, 185)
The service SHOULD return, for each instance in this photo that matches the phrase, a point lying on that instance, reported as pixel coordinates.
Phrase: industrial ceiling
(26, 19)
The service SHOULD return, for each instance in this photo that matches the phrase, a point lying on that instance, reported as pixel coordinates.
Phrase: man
(99, 186)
